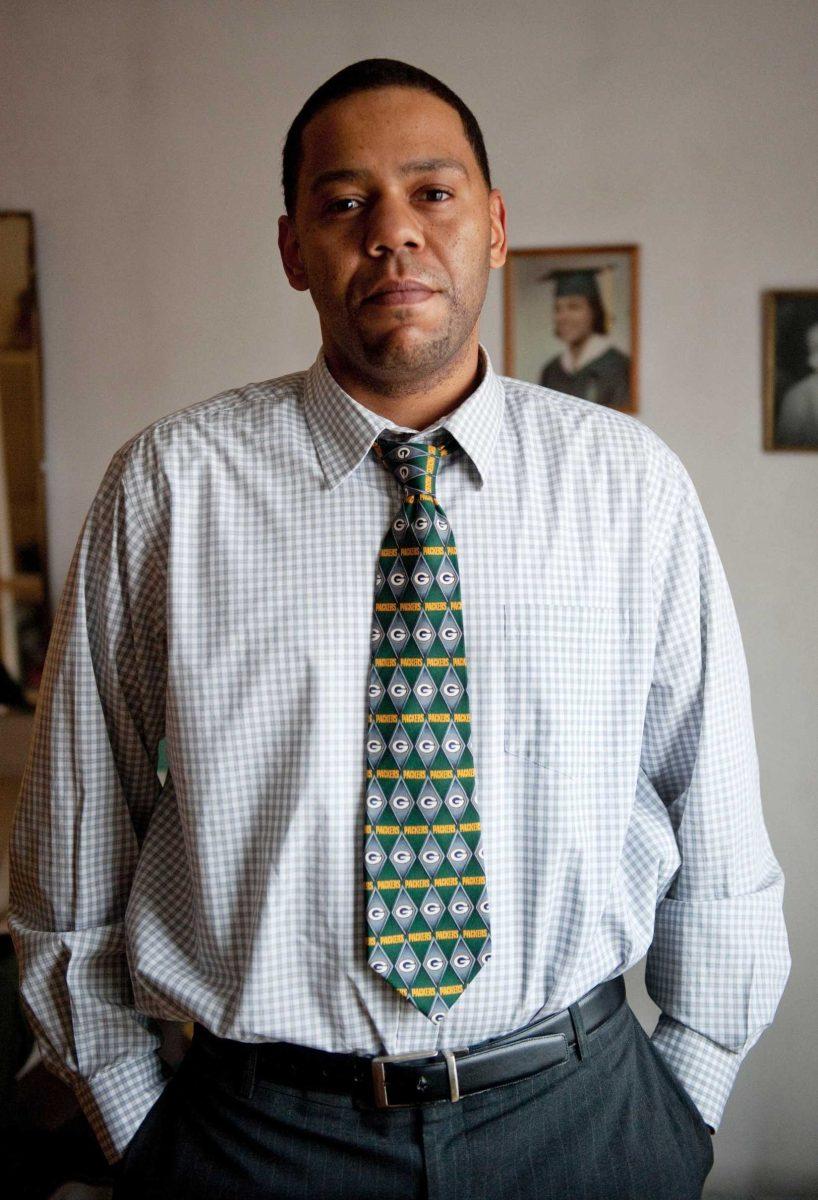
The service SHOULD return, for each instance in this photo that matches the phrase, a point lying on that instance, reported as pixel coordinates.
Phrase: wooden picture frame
(790, 368)
(590, 294)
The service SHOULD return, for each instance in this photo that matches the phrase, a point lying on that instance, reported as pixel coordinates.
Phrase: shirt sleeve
(88, 789)
(720, 958)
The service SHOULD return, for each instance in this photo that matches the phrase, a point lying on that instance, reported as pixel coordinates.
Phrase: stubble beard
(398, 362)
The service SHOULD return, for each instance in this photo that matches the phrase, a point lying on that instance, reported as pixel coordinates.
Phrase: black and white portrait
(791, 374)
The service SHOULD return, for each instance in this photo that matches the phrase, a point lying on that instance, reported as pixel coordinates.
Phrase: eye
(439, 191)
(333, 206)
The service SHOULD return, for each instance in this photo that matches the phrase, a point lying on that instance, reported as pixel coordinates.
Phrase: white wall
(146, 136)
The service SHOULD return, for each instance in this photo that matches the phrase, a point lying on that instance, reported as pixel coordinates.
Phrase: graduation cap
(576, 281)
(582, 281)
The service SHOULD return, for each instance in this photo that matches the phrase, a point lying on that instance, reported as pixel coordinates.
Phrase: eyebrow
(415, 167)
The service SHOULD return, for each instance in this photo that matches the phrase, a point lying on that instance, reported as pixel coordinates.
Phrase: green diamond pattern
(427, 906)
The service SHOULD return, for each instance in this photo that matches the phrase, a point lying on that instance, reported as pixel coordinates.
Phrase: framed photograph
(571, 321)
(791, 370)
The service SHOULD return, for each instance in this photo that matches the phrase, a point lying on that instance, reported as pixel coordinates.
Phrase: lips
(400, 291)
(390, 299)
(401, 294)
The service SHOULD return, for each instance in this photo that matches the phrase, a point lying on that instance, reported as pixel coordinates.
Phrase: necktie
(426, 899)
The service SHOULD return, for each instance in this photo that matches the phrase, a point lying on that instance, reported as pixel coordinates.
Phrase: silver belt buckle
(379, 1075)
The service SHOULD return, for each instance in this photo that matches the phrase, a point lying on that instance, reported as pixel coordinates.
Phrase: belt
(417, 1077)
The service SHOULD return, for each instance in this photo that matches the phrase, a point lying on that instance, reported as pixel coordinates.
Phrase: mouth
(390, 299)
(400, 293)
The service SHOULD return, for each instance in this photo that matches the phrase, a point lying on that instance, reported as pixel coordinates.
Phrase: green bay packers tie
(427, 907)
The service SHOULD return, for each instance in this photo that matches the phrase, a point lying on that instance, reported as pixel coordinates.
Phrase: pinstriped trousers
(610, 1123)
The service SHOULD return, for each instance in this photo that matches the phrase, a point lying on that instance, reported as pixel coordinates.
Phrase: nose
(393, 225)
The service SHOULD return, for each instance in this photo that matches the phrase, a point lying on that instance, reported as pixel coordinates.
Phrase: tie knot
(414, 462)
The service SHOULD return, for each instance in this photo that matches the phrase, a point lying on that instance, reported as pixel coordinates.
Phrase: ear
(290, 251)
(497, 217)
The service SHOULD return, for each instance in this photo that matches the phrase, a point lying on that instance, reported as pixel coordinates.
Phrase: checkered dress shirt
(218, 604)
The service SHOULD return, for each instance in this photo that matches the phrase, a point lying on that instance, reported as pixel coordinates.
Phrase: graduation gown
(605, 379)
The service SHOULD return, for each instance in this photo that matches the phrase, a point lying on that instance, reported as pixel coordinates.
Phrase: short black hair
(364, 76)
(600, 322)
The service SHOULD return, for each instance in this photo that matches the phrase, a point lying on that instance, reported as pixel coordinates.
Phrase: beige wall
(146, 138)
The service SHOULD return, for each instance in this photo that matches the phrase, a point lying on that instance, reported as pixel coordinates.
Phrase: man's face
(395, 219)
(573, 319)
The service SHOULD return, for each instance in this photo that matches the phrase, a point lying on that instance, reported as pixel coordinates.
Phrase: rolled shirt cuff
(706, 1070)
(116, 1100)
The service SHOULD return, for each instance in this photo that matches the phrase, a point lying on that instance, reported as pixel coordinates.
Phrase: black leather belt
(417, 1077)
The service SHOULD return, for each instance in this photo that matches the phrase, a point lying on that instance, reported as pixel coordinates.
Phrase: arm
(719, 958)
(88, 790)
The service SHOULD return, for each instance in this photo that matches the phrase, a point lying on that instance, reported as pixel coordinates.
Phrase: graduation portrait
(791, 369)
(571, 321)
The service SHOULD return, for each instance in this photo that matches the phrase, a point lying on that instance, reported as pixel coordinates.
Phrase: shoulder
(610, 363)
(611, 455)
(553, 363)
(803, 392)
(611, 433)
(238, 411)
(614, 358)
(166, 455)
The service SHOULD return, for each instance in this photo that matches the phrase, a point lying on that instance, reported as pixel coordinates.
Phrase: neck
(576, 348)
(412, 403)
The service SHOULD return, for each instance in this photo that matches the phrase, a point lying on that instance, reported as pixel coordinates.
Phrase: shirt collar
(344, 430)
(595, 345)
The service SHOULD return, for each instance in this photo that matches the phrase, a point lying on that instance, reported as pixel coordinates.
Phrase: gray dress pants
(610, 1123)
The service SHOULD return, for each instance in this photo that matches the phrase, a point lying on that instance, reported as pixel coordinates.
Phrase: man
(453, 695)
(590, 366)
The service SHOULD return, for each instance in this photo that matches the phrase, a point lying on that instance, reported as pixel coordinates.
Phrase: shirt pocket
(566, 673)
